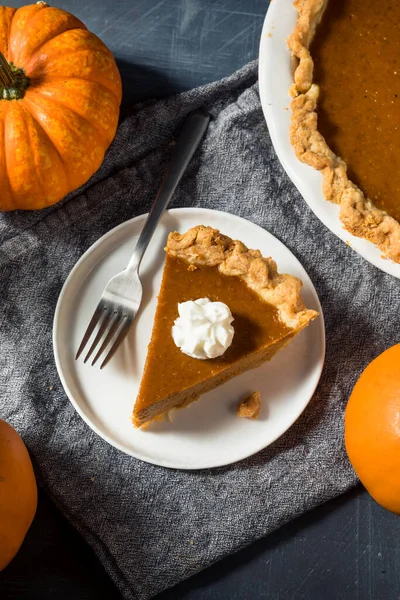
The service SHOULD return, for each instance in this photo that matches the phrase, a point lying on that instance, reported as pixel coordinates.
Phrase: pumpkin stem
(5, 72)
(13, 81)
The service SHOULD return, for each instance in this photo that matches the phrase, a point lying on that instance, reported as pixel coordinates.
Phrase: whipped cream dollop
(203, 329)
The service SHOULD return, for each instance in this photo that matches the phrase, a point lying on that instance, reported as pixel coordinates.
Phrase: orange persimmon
(372, 428)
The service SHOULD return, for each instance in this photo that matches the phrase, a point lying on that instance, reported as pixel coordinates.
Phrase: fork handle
(193, 130)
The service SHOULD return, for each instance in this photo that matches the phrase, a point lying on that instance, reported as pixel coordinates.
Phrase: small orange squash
(18, 493)
(372, 428)
(60, 93)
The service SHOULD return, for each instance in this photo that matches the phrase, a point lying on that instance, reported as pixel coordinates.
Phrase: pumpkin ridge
(40, 6)
(66, 132)
(59, 102)
(38, 49)
(51, 78)
(28, 134)
(3, 10)
(103, 132)
(26, 23)
(70, 24)
(34, 189)
(34, 117)
(44, 76)
(54, 8)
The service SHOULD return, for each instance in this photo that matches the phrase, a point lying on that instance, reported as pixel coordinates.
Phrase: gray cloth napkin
(152, 527)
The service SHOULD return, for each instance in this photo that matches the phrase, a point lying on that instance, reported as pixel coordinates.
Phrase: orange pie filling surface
(356, 53)
(266, 307)
(168, 370)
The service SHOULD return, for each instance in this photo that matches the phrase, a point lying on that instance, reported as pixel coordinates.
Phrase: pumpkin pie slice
(266, 306)
(346, 110)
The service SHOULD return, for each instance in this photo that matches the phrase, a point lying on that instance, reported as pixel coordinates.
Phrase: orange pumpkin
(60, 92)
(18, 493)
(372, 428)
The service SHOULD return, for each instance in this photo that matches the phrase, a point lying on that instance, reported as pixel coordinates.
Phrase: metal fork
(121, 298)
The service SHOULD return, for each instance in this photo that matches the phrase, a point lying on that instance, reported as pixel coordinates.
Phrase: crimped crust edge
(358, 214)
(205, 246)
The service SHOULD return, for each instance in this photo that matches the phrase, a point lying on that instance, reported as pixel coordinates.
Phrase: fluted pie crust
(206, 247)
(358, 214)
(266, 305)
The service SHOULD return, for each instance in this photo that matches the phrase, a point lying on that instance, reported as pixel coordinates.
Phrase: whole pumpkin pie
(266, 307)
(346, 110)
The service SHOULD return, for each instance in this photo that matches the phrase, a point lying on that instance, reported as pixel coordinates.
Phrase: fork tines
(113, 326)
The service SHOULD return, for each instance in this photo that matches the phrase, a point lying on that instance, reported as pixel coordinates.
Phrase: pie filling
(169, 371)
(266, 306)
(356, 53)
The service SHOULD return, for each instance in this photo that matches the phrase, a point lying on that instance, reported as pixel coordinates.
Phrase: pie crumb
(250, 407)
(192, 268)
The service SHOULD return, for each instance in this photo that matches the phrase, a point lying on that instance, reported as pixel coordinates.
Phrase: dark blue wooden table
(347, 549)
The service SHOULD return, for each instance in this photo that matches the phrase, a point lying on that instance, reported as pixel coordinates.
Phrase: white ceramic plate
(275, 77)
(207, 433)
